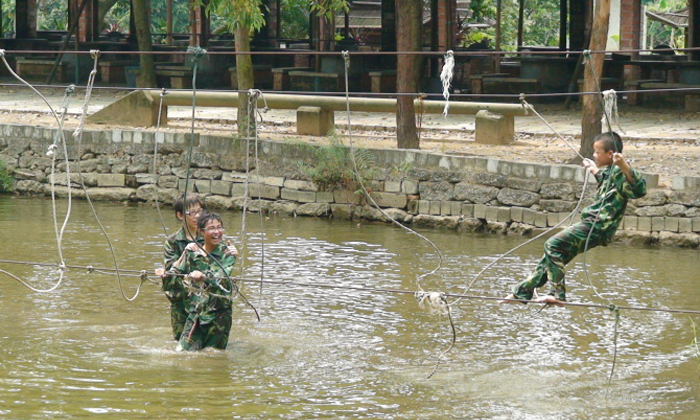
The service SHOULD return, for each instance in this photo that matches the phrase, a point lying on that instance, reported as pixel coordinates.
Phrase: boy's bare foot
(509, 299)
(550, 300)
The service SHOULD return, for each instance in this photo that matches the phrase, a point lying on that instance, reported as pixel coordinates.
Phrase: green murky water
(84, 351)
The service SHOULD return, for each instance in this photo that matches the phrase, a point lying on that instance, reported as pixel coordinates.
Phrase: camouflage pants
(197, 336)
(559, 250)
(178, 316)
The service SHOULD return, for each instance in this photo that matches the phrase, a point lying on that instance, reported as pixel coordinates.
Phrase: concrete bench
(280, 76)
(39, 69)
(312, 81)
(180, 76)
(606, 83)
(635, 98)
(262, 76)
(476, 82)
(115, 71)
(510, 85)
(383, 81)
(691, 100)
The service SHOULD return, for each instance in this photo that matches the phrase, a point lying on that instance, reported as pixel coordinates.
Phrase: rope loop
(94, 54)
(346, 57)
(2, 53)
(70, 89)
(143, 275)
(197, 53)
(62, 266)
(432, 302)
(586, 56)
(163, 92)
(613, 308)
(90, 269)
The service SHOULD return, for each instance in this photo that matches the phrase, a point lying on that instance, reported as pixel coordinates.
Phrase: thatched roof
(677, 19)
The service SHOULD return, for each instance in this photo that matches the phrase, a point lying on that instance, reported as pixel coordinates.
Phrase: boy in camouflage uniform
(208, 304)
(617, 183)
(187, 212)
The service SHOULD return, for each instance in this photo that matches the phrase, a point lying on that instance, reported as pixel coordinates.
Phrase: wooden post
(169, 22)
(592, 109)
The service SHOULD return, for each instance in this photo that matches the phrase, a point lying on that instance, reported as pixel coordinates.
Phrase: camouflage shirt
(173, 248)
(215, 292)
(611, 199)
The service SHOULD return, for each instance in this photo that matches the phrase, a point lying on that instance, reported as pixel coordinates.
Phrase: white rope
(446, 78)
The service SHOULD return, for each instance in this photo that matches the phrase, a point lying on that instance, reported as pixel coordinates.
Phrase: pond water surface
(84, 351)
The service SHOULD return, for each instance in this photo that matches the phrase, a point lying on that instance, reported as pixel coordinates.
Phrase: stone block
(657, 224)
(445, 208)
(314, 121)
(529, 216)
(314, 209)
(644, 224)
(342, 211)
(202, 186)
(455, 208)
(479, 211)
(398, 201)
(696, 224)
(492, 128)
(516, 214)
(423, 206)
(503, 214)
(346, 197)
(237, 190)
(409, 186)
(541, 219)
(685, 225)
(110, 180)
(552, 219)
(468, 210)
(630, 222)
(671, 224)
(221, 187)
(300, 185)
(324, 197)
(686, 182)
(491, 213)
(392, 186)
(146, 178)
(265, 191)
(298, 196)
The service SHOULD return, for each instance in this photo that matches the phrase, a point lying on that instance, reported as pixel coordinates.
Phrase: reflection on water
(82, 350)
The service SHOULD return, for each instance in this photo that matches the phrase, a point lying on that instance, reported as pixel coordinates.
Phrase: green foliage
(52, 15)
(660, 34)
(333, 169)
(6, 180)
(237, 14)
(294, 17)
(329, 8)
(8, 16)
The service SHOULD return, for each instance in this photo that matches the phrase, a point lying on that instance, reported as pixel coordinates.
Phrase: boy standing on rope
(617, 183)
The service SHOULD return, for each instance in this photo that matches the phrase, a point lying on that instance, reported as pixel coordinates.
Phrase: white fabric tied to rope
(446, 78)
(610, 114)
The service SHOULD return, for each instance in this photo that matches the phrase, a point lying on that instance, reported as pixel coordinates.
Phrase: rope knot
(143, 275)
(94, 54)
(346, 57)
(433, 302)
(613, 308)
(62, 266)
(50, 152)
(2, 53)
(90, 269)
(163, 92)
(70, 89)
(197, 54)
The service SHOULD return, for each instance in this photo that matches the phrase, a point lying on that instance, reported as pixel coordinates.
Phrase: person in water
(187, 211)
(617, 183)
(209, 301)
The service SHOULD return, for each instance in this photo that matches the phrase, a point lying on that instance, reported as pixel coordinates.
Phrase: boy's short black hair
(610, 141)
(208, 216)
(180, 205)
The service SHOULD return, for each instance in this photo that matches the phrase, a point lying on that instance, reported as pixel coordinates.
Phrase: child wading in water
(617, 183)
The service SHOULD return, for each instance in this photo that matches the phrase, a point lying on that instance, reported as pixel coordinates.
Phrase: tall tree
(592, 107)
(409, 15)
(142, 21)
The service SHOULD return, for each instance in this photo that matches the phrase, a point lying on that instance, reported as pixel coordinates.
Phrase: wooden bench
(510, 85)
(690, 100)
(262, 76)
(383, 81)
(115, 71)
(280, 76)
(180, 76)
(39, 69)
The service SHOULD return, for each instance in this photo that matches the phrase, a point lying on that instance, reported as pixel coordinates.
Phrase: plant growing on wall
(332, 166)
(6, 180)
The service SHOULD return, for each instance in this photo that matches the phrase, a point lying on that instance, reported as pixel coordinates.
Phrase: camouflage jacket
(611, 200)
(215, 292)
(173, 248)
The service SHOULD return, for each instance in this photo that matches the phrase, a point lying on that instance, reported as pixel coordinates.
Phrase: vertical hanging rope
(446, 74)
(610, 115)
(155, 159)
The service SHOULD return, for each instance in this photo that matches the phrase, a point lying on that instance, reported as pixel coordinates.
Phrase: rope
(346, 58)
(446, 79)
(610, 109)
(155, 159)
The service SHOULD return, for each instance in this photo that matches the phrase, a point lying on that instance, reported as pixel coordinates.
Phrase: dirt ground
(661, 141)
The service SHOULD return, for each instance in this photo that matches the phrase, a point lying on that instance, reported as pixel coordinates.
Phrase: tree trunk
(408, 38)
(147, 74)
(244, 75)
(592, 106)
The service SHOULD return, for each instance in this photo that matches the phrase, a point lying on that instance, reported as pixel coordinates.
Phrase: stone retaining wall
(454, 192)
